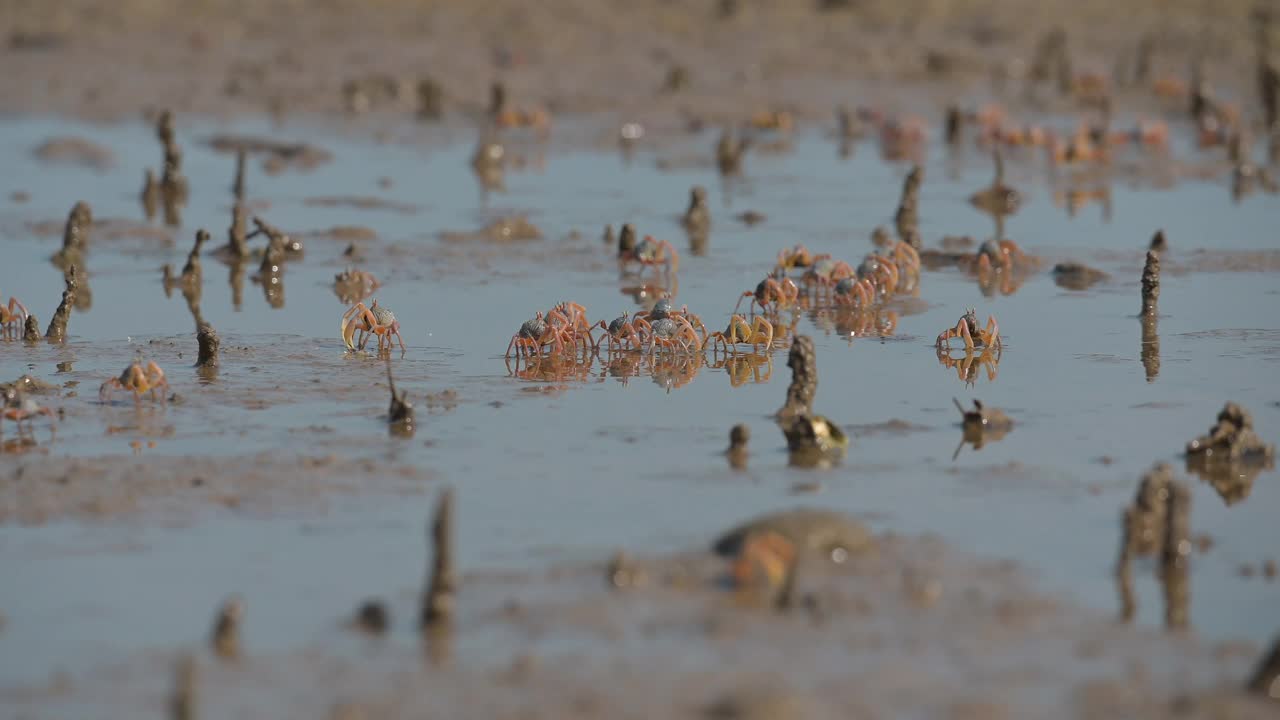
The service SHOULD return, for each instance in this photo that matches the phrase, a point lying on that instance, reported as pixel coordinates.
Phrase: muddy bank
(657, 60)
(904, 627)
(38, 490)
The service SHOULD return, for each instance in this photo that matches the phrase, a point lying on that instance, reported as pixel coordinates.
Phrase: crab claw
(348, 332)
(348, 328)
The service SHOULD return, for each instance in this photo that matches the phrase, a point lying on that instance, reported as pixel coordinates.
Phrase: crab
(535, 334)
(13, 317)
(879, 272)
(651, 252)
(756, 333)
(373, 319)
(826, 272)
(771, 291)
(855, 292)
(796, 257)
(354, 285)
(671, 333)
(967, 329)
(137, 379)
(572, 317)
(664, 309)
(19, 408)
(999, 255)
(621, 332)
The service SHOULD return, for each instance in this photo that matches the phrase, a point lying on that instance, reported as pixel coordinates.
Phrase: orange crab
(19, 408)
(757, 333)
(779, 120)
(13, 317)
(572, 317)
(795, 257)
(650, 251)
(540, 332)
(374, 319)
(999, 255)
(137, 379)
(775, 292)
(855, 292)
(968, 330)
(1079, 147)
(664, 309)
(621, 333)
(673, 332)
(826, 272)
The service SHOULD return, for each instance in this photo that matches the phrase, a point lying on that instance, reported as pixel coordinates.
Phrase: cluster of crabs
(565, 329)
(826, 280)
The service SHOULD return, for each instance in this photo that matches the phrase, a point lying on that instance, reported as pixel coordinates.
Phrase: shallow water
(567, 470)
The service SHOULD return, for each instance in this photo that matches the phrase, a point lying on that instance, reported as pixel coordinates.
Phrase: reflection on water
(972, 363)
(668, 370)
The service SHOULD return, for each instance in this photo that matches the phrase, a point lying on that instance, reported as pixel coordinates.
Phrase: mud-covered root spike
(438, 600)
(1150, 283)
(1266, 677)
(237, 187)
(804, 378)
(57, 331)
(183, 696)
(225, 636)
(31, 332)
(1175, 557)
(207, 338)
(400, 411)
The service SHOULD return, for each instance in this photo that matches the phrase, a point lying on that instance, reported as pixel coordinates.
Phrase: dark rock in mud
(1231, 455)
(1077, 276)
(372, 617)
(75, 151)
(825, 532)
(813, 433)
(1232, 438)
